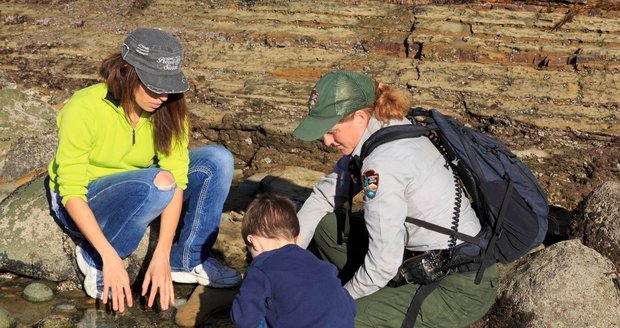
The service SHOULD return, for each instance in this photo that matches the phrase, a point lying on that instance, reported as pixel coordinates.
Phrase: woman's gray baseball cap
(157, 57)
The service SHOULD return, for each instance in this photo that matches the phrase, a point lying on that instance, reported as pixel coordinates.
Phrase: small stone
(65, 308)
(6, 320)
(90, 301)
(38, 292)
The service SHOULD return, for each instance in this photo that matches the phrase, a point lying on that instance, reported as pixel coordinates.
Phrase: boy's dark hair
(270, 216)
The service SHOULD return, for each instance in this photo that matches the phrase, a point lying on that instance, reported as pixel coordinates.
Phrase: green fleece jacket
(95, 140)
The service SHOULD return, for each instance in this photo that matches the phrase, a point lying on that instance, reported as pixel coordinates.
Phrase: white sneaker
(209, 273)
(93, 278)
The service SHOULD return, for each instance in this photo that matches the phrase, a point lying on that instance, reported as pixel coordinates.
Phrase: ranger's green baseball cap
(336, 95)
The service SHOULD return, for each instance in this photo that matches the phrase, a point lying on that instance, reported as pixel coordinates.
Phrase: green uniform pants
(456, 302)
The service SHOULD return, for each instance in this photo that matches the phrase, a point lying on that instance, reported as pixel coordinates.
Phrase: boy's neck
(263, 244)
(269, 244)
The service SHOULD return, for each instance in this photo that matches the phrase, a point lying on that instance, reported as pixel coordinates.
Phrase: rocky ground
(542, 76)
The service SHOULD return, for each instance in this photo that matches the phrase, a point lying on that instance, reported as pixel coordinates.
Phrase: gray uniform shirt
(413, 181)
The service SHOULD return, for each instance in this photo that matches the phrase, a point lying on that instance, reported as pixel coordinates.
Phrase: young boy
(286, 285)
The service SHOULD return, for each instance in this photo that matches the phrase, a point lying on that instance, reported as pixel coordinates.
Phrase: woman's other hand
(160, 280)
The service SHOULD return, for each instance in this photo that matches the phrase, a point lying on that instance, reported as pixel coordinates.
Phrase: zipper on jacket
(133, 137)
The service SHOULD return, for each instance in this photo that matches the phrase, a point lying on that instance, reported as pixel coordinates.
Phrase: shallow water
(74, 308)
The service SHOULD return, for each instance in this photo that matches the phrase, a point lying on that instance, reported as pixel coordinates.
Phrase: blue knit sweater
(290, 287)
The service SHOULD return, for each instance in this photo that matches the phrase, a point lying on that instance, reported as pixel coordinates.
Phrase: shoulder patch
(370, 181)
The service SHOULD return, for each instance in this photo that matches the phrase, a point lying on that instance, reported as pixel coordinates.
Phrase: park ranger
(399, 179)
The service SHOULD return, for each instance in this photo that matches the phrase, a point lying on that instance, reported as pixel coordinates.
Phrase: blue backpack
(509, 202)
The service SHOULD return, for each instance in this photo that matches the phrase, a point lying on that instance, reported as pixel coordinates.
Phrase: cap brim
(312, 128)
(175, 83)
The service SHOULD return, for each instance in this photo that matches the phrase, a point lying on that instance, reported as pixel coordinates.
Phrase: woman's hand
(115, 278)
(116, 283)
(160, 280)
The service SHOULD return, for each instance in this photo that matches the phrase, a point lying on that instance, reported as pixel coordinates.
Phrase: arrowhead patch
(370, 180)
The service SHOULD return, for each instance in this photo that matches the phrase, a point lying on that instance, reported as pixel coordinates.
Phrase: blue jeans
(124, 204)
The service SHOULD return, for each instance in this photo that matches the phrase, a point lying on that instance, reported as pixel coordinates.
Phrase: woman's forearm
(85, 220)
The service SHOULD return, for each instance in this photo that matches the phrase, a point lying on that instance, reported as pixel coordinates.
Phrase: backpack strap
(391, 133)
(416, 303)
(445, 231)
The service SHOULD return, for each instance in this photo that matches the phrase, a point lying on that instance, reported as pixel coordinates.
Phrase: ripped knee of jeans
(164, 181)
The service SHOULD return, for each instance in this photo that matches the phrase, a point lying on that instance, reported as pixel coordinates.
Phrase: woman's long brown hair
(169, 121)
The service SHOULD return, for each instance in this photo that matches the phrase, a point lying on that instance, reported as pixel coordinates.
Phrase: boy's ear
(252, 241)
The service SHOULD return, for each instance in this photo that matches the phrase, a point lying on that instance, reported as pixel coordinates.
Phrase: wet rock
(65, 308)
(203, 302)
(597, 223)
(564, 285)
(6, 320)
(99, 318)
(54, 321)
(38, 292)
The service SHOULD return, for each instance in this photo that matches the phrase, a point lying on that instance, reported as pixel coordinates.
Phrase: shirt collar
(375, 125)
(110, 97)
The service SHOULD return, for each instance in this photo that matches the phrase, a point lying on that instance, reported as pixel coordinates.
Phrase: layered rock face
(542, 76)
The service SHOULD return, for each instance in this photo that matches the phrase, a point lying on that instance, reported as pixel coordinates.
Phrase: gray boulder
(28, 137)
(564, 285)
(597, 222)
(34, 245)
